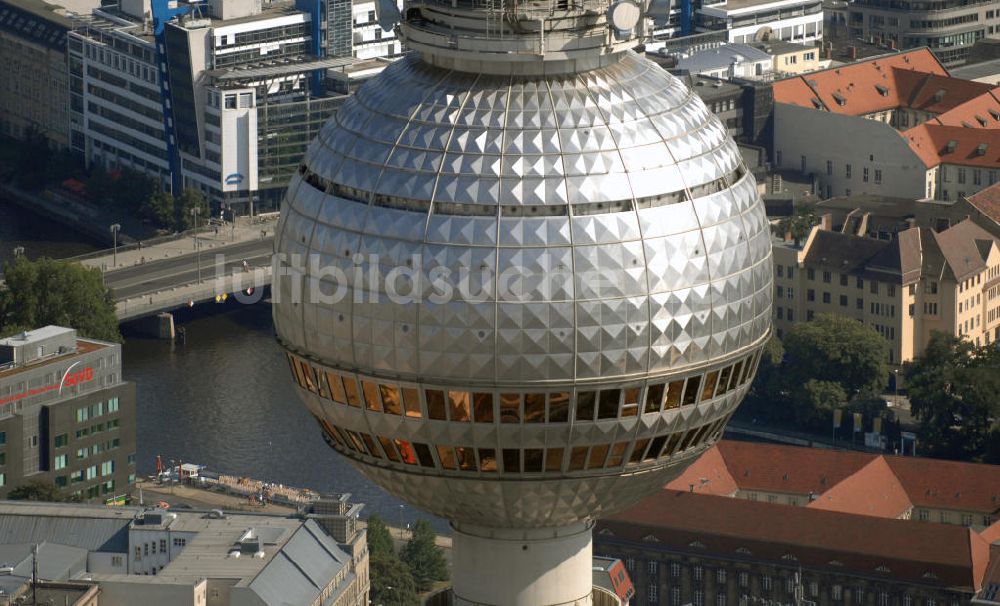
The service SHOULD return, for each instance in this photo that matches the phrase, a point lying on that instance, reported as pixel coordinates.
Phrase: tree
(391, 579)
(188, 200)
(43, 292)
(39, 490)
(799, 224)
(954, 390)
(424, 557)
(158, 208)
(838, 349)
(391, 582)
(379, 539)
(821, 398)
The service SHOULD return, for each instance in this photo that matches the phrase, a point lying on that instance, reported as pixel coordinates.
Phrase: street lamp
(115, 228)
(18, 251)
(195, 211)
(895, 385)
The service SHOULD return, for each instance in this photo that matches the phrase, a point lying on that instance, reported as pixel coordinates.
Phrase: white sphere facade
(637, 261)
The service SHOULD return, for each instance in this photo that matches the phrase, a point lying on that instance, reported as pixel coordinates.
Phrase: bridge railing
(143, 243)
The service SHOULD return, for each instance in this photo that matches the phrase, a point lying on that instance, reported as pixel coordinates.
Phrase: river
(224, 399)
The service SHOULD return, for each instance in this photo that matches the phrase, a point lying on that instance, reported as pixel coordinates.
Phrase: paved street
(159, 275)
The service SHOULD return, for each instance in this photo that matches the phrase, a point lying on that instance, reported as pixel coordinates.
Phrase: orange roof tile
(937, 94)
(874, 490)
(862, 88)
(788, 469)
(987, 201)
(701, 523)
(940, 144)
(949, 484)
(708, 474)
(991, 534)
(981, 111)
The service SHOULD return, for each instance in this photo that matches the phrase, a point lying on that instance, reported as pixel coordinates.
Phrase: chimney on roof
(826, 222)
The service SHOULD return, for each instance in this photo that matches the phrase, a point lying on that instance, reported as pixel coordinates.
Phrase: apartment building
(66, 415)
(948, 27)
(905, 288)
(753, 523)
(896, 125)
(34, 82)
(762, 20)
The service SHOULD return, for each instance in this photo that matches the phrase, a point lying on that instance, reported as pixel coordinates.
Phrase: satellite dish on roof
(387, 14)
(623, 16)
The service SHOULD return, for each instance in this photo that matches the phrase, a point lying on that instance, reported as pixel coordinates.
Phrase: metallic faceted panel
(597, 231)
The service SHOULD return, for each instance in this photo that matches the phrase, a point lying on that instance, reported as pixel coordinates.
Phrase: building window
(697, 573)
(829, 167)
(720, 575)
(653, 567)
(847, 171)
(699, 597)
(873, 287)
(810, 295)
(765, 582)
(843, 300)
(883, 598)
(720, 599)
(60, 462)
(61, 440)
(744, 579)
(113, 405)
(675, 569)
(837, 592)
(827, 276)
(878, 176)
(810, 274)
(859, 596)
(826, 297)
(652, 596)
(864, 174)
(675, 596)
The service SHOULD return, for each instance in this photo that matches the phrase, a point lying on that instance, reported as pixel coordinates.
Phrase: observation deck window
(553, 459)
(533, 460)
(435, 404)
(654, 398)
(585, 401)
(482, 407)
(411, 402)
(390, 399)
(577, 458)
(511, 460)
(534, 408)
(371, 396)
(610, 400)
(460, 406)
(510, 408)
(487, 460)
(559, 407)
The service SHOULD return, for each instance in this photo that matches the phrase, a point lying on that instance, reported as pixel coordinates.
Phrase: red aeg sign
(84, 376)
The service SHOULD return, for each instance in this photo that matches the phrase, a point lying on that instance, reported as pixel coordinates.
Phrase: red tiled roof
(865, 87)
(937, 93)
(955, 556)
(981, 112)
(941, 144)
(991, 534)
(708, 474)
(874, 490)
(949, 484)
(987, 201)
(788, 469)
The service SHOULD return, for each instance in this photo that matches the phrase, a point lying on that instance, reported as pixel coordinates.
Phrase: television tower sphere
(523, 279)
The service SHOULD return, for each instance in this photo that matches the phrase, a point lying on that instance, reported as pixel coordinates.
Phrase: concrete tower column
(522, 567)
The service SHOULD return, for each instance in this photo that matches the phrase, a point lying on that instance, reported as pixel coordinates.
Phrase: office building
(66, 415)
(948, 27)
(752, 523)
(763, 20)
(249, 79)
(34, 81)
(896, 125)
(157, 557)
(905, 288)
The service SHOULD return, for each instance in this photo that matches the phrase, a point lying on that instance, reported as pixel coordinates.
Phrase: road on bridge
(164, 274)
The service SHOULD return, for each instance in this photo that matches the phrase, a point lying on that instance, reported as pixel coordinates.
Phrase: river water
(224, 398)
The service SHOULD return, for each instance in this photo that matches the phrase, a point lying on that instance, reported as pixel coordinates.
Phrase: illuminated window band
(556, 407)
(521, 460)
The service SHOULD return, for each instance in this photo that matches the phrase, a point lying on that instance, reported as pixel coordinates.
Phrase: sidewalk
(185, 245)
